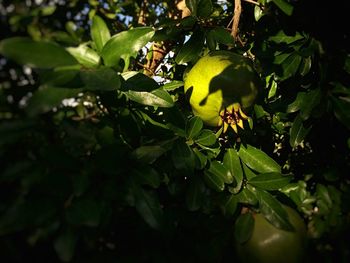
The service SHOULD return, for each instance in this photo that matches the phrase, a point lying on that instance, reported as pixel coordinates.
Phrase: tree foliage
(103, 160)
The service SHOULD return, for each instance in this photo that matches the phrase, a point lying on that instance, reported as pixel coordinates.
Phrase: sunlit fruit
(220, 86)
(269, 244)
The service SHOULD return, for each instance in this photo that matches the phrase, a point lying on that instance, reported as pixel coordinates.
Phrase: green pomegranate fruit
(219, 85)
(269, 244)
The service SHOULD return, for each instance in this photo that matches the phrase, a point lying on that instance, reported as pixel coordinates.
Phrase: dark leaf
(221, 171)
(191, 49)
(47, 98)
(272, 210)
(65, 244)
(193, 127)
(206, 138)
(102, 78)
(298, 132)
(39, 54)
(284, 6)
(244, 227)
(232, 162)
(195, 194)
(183, 156)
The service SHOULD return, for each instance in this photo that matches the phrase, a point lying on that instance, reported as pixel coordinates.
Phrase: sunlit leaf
(126, 43)
(258, 160)
(156, 98)
(85, 56)
(99, 32)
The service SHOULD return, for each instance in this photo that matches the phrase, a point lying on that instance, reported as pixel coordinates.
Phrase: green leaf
(146, 175)
(222, 36)
(85, 212)
(284, 6)
(244, 227)
(59, 76)
(341, 107)
(290, 66)
(85, 56)
(65, 245)
(193, 127)
(258, 160)
(258, 13)
(191, 49)
(183, 156)
(99, 32)
(204, 8)
(298, 132)
(38, 54)
(155, 98)
(305, 66)
(194, 194)
(273, 210)
(229, 205)
(47, 98)
(221, 171)
(137, 81)
(270, 181)
(281, 37)
(126, 43)
(214, 181)
(298, 103)
(206, 137)
(248, 173)
(173, 85)
(232, 162)
(148, 154)
(247, 197)
(201, 159)
(102, 78)
(149, 207)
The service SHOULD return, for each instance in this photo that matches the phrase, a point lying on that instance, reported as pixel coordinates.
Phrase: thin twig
(252, 2)
(236, 17)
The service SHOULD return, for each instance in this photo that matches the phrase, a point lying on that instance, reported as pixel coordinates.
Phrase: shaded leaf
(194, 194)
(39, 54)
(148, 206)
(258, 160)
(146, 175)
(148, 154)
(232, 162)
(221, 171)
(244, 227)
(65, 245)
(85, 212)
(270, 181)
(183, 156)
(206, 137)
(284, 6)
(102, 78)
(273, 210)
(47, 98)
(229, 205)
(247, 197)
(298, 132)
(99, 32)
(137, 81)
(193, 127)
(222, 36)
(281, 37)
(214, 181)
(126, 43)
(191, 49)
(341, 107)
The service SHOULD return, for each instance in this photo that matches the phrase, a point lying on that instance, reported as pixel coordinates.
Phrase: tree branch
(236, 17)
